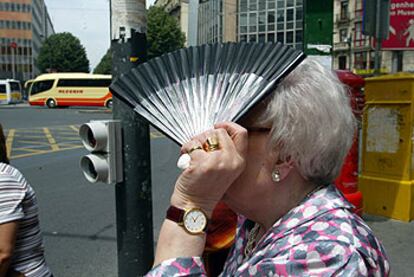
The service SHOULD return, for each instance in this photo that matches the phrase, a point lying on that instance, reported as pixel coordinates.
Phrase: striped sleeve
(12, 192)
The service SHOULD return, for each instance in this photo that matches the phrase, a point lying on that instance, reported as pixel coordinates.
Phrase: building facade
(243, 20)
(24, 25)
(251, 21)
(178, 9)
(355, 51)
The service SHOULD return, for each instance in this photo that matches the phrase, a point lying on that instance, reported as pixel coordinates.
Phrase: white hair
(312, 121)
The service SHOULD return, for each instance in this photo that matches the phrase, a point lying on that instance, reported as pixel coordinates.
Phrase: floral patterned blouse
(320, 237)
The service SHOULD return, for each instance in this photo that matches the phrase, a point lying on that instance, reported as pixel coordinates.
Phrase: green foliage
(104, 66)
(164, 34)
(63, 52)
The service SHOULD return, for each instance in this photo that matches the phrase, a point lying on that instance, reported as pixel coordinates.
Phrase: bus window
(41, 86)
(14, 86)
(84, 83)
(2, 89)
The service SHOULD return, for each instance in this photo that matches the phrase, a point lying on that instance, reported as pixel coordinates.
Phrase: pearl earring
(276, 175)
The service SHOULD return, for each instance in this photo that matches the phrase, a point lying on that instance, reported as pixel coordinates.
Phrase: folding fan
(186, 92)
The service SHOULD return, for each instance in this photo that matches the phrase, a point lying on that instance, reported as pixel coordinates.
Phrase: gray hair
(312, 121)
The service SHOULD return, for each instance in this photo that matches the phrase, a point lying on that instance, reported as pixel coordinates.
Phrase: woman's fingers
(237, 133)
(191, 146)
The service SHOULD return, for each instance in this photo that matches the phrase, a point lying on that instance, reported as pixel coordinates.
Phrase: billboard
(401, 33)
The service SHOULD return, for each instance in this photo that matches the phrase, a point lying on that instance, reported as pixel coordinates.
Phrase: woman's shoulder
(344, 228)
(9, 173)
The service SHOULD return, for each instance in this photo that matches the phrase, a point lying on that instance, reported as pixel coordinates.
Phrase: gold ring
(211, 144)
(194, 148)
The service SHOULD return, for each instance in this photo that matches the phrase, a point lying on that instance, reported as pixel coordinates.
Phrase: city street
(78, 218)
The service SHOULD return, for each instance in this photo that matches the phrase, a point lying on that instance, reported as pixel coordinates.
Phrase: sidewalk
(398, 239)
(13, 106)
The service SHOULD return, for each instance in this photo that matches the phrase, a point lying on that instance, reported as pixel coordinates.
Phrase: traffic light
(103, 139)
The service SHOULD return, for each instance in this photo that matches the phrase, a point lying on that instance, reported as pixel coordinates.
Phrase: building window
(271, 20)
(360, 61)
(343, 33)
(344, 10)
(359, 39)
(243, 5)
(358, 9)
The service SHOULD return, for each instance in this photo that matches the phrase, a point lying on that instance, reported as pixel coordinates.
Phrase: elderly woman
(276, 173)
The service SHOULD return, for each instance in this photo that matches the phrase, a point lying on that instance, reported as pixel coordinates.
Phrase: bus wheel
(51, 103)
(109, 104)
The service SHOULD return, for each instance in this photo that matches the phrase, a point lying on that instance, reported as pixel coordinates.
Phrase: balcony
(343, 18)
(341, 46)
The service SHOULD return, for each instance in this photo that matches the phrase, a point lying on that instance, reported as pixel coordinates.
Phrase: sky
(88, 20)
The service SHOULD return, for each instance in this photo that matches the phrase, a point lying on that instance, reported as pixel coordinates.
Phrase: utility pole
(13, 47)
(13, 63)
(133, 194)
(378, 41)
(376, 14)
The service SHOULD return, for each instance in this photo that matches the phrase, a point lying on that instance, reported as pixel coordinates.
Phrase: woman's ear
(281, 170)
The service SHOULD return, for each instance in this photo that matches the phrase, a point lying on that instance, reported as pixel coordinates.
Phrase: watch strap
(175, 214)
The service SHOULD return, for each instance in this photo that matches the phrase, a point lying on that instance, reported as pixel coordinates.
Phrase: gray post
(13, 50)
(378, 37)
(193, 22)
(133, 195)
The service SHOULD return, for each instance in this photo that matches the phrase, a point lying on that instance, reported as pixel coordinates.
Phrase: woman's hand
(210, 173)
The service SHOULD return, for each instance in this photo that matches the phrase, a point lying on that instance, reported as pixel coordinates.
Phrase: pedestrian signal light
(104, 140)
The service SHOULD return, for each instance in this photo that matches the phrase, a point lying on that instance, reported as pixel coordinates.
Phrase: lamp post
(13, 46)
(348, 41)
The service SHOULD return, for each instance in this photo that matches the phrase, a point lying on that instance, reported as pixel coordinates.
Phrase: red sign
(13, 45)
(401, 34)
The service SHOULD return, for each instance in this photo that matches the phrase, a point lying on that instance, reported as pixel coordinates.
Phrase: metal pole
(13, 62)
(350, 51)
(133, 195)
(378, 39)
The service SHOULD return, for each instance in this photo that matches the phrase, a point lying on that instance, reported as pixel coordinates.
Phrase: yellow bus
(26, 89)
(10, 91)
(71, 89)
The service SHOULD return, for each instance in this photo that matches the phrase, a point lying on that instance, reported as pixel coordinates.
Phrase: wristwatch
(194, 220)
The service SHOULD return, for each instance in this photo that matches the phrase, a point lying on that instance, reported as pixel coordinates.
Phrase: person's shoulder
(9, 173)
(342, 225)
(344, 229)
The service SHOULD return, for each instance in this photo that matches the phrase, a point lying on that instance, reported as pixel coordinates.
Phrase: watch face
(195, 221)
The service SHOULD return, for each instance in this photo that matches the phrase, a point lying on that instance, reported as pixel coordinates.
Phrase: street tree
(63, 52)
(164, 34)
(104, 66)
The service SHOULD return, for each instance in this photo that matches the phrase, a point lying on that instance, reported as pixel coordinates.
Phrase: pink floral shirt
(320, 237)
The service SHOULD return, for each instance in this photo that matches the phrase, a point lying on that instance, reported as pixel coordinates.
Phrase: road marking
(44, 152)
(28, 142)
(33, 142)
(52, 141)
(32, 150)
(9, 141)
(62, 145)
(26, 136)
(156, 135)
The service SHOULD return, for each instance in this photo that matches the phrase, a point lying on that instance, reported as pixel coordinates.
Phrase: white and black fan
(186, 92)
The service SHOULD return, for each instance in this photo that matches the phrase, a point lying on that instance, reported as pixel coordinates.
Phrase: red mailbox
(347, 180)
